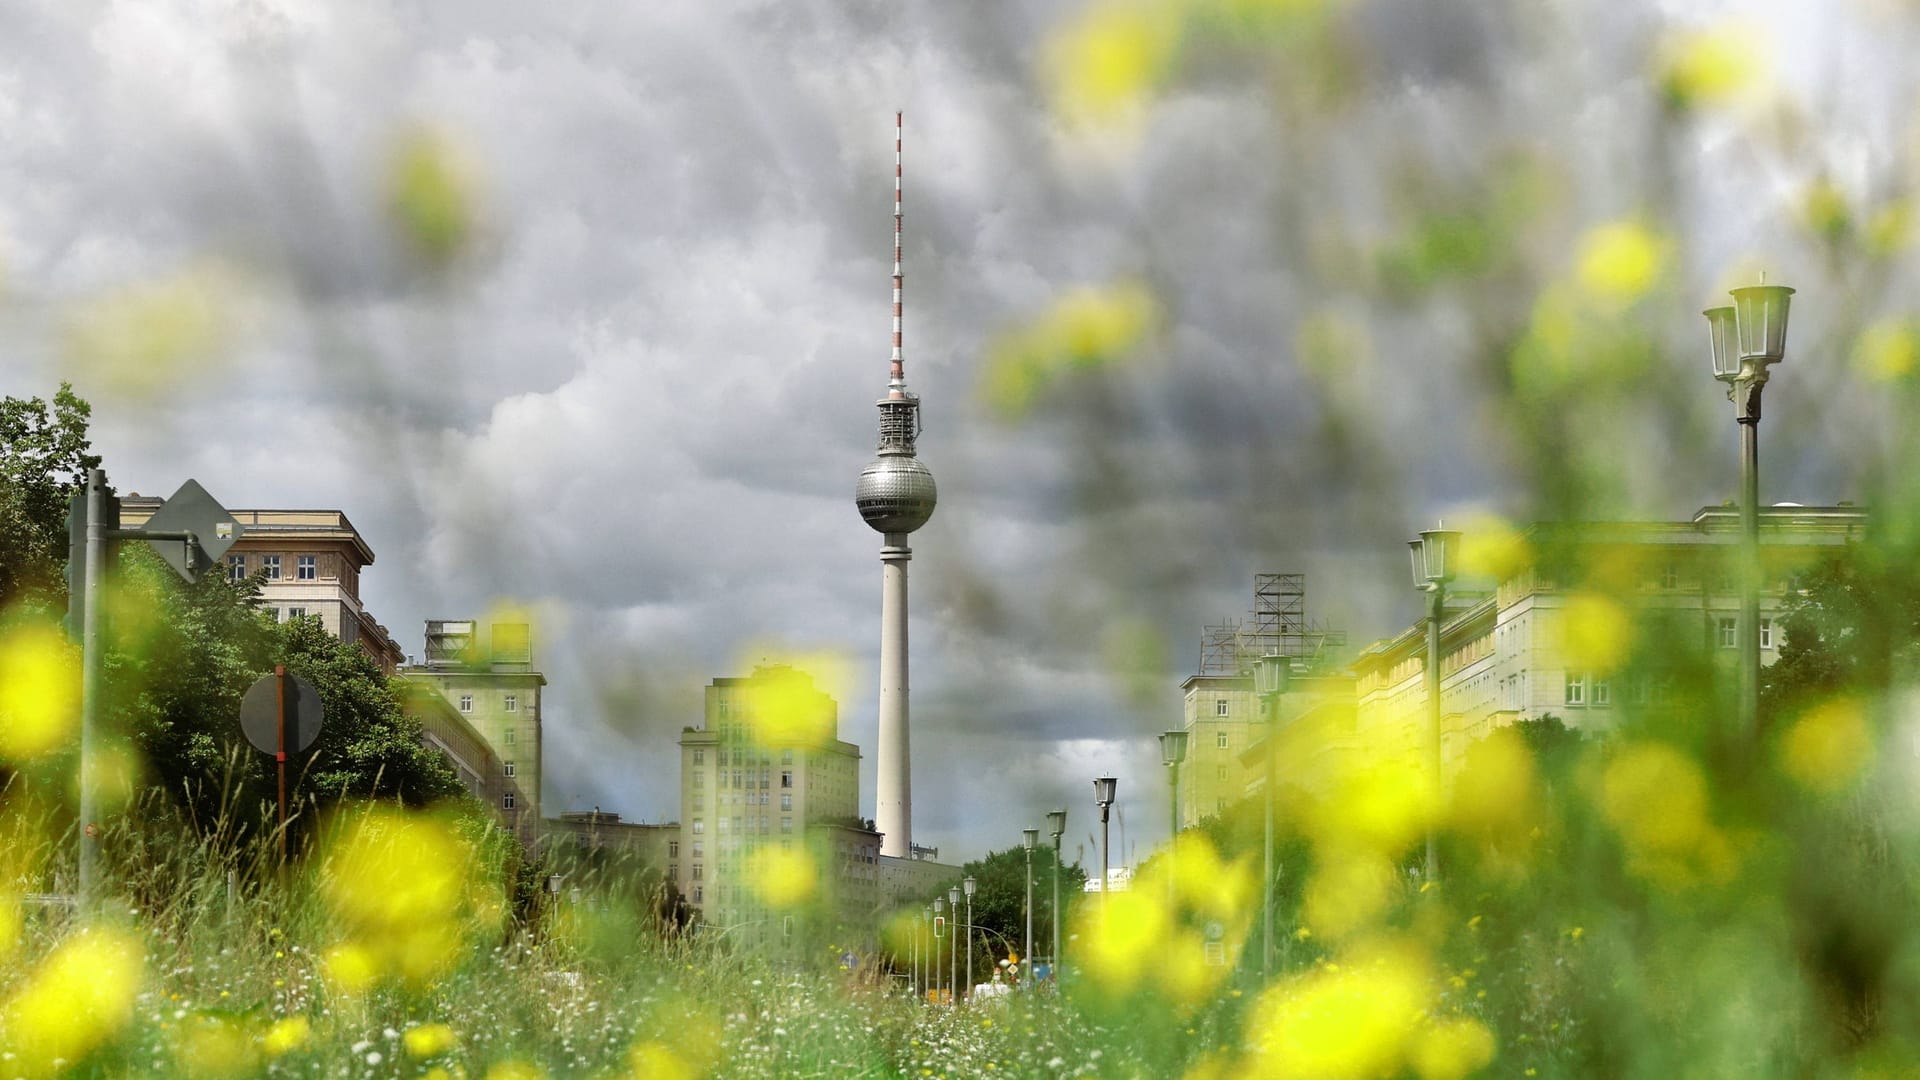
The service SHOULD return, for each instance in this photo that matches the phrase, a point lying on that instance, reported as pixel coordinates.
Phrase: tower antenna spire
(898, 372)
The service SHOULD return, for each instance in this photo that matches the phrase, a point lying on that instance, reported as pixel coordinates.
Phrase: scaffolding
(1277, 626)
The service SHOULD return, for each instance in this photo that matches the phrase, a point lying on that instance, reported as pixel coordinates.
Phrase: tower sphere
(895, 494)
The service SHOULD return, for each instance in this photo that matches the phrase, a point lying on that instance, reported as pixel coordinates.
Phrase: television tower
(895, 496)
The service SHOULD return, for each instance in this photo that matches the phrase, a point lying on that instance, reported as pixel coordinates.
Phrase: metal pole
(953, 970)
(1266, 852)
(1750, 569)
(1053, 961)
(92, 670)
(969, 945)
(1173, 833)
(1435, 598)
(1029, 954)
(280, 748)
(1103, 861)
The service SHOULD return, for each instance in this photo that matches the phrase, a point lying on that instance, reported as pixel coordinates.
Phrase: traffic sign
(192, 510)
(260, 714)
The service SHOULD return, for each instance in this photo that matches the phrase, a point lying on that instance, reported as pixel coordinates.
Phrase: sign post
(281, 715)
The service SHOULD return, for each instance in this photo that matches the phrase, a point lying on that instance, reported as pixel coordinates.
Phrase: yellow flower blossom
(1828, 748)
(427, 1040)
(77, 999)
(39, 691)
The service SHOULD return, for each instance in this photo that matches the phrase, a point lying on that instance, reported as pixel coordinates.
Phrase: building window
(1220, 707)
(699, 779)
(1670, 577)
(271, 564)
(786, 824)
(296, 613)
(512, 736)
(466, 702)
(1576, 689)
(786, 757)
(511, 703)
(786, 800)
(236, 568)
(786, 778)
(723, 825)
(1220, 739)
(699, 826)
(1221, 773)
(696, 894)
(699, 757)
(1729, 633)
(673, 849)
(673, 871)
(506, 801)
(1602, 691)
(1766, 633)
(506, 768)
(697, 846)
(306, 568)
(697, 874)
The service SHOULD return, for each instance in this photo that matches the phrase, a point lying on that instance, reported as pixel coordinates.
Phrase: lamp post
(1173, 751)
(1057, 824)
(1103, 788)
(1028, 838)
(953, 954)
(1434, 558)
(967, 885)
(1270, 677)
(1748, 338)
(939, 910)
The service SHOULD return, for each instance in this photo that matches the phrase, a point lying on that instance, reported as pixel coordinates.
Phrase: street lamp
(1057, 824)
(1173, 751)
(967, 885)
(953, 954)
(1746, 339)
(1103, 794)
(1270, 677)
(1028, 838)
(1435, 559)
(939, 909)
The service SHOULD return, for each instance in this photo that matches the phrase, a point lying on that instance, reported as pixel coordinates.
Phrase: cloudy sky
(636, 395)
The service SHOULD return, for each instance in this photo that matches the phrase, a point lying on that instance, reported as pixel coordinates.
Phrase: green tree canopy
(43, 459)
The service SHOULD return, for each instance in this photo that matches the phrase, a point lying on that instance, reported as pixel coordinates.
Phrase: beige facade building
(764, 767)
(447, 730)
(1221, 716)
(309, 563)
(765, 776)
(485, 672)
(1516, 654)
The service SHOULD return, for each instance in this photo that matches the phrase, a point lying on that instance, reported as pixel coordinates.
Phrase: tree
(368, 746)
(999, 914)
(43, 460)
(1851, 623)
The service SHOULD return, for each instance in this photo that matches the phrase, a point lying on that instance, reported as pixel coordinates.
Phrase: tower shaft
(893, 787)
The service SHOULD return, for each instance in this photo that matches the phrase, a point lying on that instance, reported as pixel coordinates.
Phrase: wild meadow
(1329, 268)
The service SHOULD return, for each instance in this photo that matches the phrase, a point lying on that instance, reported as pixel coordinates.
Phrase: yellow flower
(1621, 261)
(426, 1040)
(78, 997)
(39, 691)
(1829, 748)
(286, 1035)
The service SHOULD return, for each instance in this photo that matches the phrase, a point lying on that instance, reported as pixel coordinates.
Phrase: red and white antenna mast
(898, 373)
